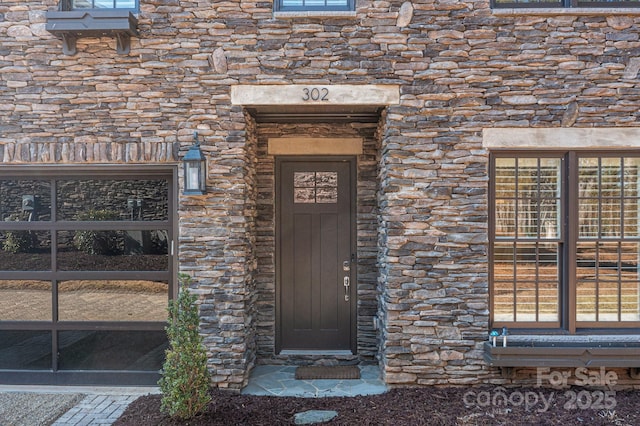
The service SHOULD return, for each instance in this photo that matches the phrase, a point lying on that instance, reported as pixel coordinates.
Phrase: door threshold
(318, 352)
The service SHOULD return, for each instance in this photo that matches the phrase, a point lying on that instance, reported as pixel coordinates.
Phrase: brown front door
(315, 254)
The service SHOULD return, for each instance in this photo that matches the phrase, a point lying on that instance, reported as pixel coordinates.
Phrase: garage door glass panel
(25, 300)
(25, 350)
(112, 300)
(112, 350)
(25, 200)
(25, 250)
(113, 250)
(108, 200)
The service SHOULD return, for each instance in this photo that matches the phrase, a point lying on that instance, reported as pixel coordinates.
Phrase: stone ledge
(561, 138)
(319, 95)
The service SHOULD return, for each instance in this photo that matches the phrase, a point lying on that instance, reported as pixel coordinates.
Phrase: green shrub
(98, 242)
(19, 241)
(185, 378)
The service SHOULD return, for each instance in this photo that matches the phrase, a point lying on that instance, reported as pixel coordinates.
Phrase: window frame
(569, 241)
(279, 7)
(564, 4)
(67, 6)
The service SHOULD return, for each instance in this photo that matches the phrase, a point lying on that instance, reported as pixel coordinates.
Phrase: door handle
(347, 283)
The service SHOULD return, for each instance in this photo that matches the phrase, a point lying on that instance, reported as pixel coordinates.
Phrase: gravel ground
(34, 409)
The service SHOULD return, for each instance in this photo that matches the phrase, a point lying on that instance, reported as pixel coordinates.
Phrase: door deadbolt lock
(346, 266)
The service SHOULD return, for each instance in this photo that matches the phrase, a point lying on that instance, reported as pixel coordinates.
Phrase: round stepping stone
(314, 416)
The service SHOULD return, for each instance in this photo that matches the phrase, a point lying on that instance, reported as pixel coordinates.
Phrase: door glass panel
(25, 200)
(113, 250)
(304, 195)
(25, 350)
(315, 187)
(24, 250)
(100, 200)
(112, 300)
(25, 300)
(112, 350)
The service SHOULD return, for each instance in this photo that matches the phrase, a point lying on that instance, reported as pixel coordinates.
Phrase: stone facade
(422, 180)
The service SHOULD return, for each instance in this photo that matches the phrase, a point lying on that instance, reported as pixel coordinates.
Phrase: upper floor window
(314, 5)
(102, 4)
(94, 18)
(563, 3)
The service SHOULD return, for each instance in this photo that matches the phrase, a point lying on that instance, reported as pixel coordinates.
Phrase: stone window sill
(564, 11)
(314, 14)
(71, 25)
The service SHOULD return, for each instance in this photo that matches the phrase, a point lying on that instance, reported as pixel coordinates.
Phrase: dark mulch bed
(415, 406)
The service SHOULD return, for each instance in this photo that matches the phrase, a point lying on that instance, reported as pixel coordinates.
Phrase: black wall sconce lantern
(195, 169)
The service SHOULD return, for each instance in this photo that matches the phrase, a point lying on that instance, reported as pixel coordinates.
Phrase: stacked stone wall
(460, 68)
(217, 243)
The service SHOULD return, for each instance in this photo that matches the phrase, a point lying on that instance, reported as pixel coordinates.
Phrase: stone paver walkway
(278, 380)
(100, 405)
(96, 410)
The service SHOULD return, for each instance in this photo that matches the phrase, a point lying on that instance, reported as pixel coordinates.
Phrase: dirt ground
(414, 406)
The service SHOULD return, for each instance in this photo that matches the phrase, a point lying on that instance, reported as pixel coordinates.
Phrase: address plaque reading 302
(315, 94)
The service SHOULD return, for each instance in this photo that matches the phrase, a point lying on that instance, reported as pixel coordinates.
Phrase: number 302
(315, 94)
